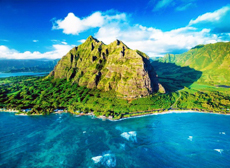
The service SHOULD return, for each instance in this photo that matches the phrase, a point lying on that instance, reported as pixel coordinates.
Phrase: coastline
(9, 111)
(145, 115)
(169, 112)
(124, 118)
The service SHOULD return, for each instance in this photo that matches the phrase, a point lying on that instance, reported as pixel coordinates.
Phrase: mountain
(27, 65)
(213, 60)
(109, 67)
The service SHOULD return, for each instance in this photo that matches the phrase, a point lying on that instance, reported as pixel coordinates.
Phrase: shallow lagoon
(65, 140)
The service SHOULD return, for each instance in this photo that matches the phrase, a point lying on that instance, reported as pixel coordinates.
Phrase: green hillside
(213, 60)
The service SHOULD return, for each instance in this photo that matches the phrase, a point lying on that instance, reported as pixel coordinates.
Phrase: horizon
(39, 30)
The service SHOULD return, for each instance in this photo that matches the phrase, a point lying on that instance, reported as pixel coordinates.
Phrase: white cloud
(35, 41)
(74, 25)
(57, 52)
(211, 16)
(113, 25)
(82, 40)
(218, 21)
(155, 42)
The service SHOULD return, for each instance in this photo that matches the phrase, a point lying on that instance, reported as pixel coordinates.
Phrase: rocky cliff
(108, 67)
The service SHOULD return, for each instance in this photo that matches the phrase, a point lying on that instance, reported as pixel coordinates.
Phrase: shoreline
(110, 119)
(145, 115)
(169, 112)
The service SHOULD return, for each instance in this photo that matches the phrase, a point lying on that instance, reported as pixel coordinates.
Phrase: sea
(176, 140)
(5, 75)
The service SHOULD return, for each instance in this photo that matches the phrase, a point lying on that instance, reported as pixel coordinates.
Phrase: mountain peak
(108, 67)
(91, 38)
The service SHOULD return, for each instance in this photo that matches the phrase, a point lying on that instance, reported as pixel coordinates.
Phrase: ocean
(174, 140)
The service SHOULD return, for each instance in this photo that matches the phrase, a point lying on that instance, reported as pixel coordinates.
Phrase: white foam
(130, 136)
(190, 138)
(97, 159)
(169, 112)
(107, 159)
(125, 135)
(223, 133)
(219, 150)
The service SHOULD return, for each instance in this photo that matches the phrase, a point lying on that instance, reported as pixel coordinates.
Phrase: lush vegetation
(46, 95)
(194, 87)
(43, 96)
(211, 59)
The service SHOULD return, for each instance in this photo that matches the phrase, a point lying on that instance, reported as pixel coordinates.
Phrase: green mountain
(213, 60)
(27, 65)
(109, 67)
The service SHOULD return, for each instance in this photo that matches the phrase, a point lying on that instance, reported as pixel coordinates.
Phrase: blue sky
(31, 29)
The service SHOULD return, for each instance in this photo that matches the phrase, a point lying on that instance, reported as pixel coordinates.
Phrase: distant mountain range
(27, 65)
(213, 60)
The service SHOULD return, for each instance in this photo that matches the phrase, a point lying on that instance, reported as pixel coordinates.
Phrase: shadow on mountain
(174, 77)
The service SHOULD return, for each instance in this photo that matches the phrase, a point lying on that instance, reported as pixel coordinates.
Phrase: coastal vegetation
(91, 79)
(43, 96)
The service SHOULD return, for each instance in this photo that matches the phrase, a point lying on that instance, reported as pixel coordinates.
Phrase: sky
(35, 29)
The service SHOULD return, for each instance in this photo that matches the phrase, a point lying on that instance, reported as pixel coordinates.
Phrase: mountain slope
(108, 67)
(212, 59)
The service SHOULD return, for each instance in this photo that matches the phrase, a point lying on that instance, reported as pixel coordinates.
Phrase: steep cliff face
(108, 67)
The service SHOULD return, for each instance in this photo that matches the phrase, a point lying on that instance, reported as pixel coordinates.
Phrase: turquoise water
(4, 75)
(65, 140)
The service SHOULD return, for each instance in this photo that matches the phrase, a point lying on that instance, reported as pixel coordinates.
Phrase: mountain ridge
(211, 59)
(109, 67)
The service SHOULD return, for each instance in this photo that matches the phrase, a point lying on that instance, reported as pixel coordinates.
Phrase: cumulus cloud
(72, 24)
(35, 41)
(218, 21)
(81, 41)
(58, 51)
(154, 41)
(113, 25)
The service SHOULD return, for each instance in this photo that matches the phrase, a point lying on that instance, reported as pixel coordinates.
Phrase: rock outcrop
(108, 67)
